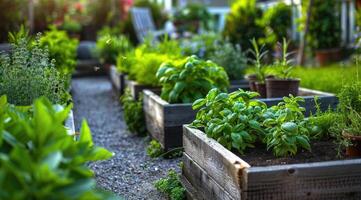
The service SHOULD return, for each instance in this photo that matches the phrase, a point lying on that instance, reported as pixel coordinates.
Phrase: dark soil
(130, 173)
(325, 150)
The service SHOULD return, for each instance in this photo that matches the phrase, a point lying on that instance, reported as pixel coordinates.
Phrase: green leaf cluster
(27, 73)
(191, 13)
(40, 160)
(325, 19)
(190, 79)
(61, 48)
(171, 186)
(133, 113)
(154, 149)
(202, 45)
(241, 23)
(109, 46)
(237, 121)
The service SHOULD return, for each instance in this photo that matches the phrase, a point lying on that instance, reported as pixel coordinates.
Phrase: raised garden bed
(118, 80)
(136, 88)
(70, 125)
(211, 171)
(164, 121)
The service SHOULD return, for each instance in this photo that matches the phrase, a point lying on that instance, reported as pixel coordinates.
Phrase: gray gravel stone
(130, 173)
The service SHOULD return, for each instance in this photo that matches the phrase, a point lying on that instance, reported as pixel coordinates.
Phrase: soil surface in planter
(130, 172)
(324, 150)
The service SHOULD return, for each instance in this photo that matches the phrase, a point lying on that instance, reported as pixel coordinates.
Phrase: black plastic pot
(252, 79)
(261, 89)
(281, 88)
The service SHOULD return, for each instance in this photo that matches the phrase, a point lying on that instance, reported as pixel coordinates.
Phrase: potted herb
(283, 85)
(324, 19)
(259, 53)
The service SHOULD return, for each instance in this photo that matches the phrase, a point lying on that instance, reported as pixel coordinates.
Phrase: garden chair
(143, 24)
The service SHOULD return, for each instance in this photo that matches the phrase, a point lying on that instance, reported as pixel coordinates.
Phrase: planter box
(136, 88)
(212, 172)
(164, 121)
(118, 80)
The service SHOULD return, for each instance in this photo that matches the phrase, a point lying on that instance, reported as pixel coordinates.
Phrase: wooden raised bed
(136, 88)
(164, 121)
(118, 80)
(70, 125)
(211, 171)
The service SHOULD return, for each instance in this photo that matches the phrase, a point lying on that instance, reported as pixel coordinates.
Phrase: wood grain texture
(220, 164)
(199, 184)
(136, 88)
(118, 80)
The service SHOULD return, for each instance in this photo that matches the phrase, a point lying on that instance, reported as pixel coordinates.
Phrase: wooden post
(300, 59)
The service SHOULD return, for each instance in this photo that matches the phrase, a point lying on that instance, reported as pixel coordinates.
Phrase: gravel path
(130, 172)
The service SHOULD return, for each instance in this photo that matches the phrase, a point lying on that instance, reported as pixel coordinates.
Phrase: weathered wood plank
(201, 185)
(223, 166)
(320, 180)
(118, 80)
(136, 89)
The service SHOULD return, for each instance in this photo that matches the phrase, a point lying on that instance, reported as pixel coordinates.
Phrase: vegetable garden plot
(212, 172)
(164, 121)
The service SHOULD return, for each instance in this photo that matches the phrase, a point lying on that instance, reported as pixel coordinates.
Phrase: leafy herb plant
(171, 186)
(190, 79)
(284, 65)
(27, 73)
(154, 149)
(39, 160)
(259, 53)
(234, 120)
(133, 113)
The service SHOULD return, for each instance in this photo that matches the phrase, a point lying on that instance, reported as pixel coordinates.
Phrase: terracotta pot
(358, 4)
(261, 89)
(326, 56)
(281, 88)
(252, 79)
(355, 149)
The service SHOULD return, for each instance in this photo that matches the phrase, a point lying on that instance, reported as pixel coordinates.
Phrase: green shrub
(324, 20)
(61, 48)
(193, 12)
(39, 160)
(109, 46)
(277, 22)
(171, 186)
(27, 74)
(237, 121)
(190, 79)
(154, 149)
(241, 23)
(133, 113)
(126, 61)
(231, 58)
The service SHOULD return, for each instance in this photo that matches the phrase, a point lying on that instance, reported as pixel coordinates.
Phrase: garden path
(130, 173)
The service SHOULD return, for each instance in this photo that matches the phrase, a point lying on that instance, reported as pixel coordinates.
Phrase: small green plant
(133, 113)
(39, 160)
(61, 48)
(171, 186)
(234, 120)
(286, 127)
(190, 79)
(192, 13)
(154, 149)
(203, 45)
(109, 46)
(27, 74)
(231, 58)
(284, 65)
(259, 54)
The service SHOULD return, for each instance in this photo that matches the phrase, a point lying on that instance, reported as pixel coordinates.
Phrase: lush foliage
(109, 46)
(231, 58)
(39, 160)
(133, 113)
(286, 127)
(10, 16)
(27, 74)
(277, 23)
(154, 149)
(171, 186)
(190, 79)
(324, 20)
(61, 48)
(241, 23)
(237, 121)
(192, 13)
